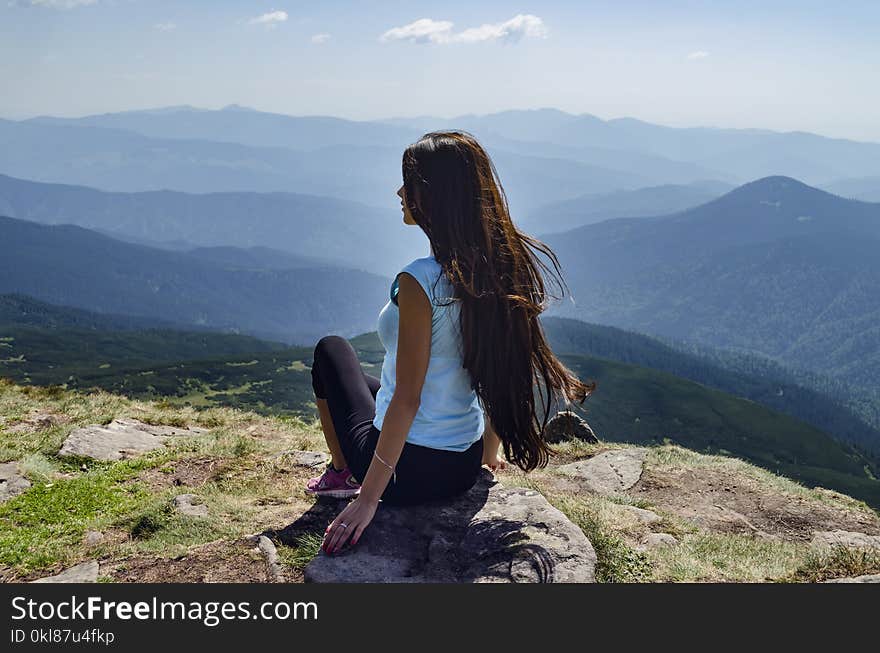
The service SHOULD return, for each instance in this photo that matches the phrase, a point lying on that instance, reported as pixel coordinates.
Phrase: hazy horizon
(424, 116)
(793, 66)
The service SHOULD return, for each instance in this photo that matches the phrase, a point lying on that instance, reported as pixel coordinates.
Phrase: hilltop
(185, 511)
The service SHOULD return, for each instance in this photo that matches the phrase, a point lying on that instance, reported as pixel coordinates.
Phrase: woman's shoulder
(428, 272)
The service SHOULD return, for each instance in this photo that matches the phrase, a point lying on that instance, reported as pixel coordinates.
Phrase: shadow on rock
(489, 534)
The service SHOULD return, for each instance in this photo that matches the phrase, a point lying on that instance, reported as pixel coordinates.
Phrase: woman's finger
(332, 536)
(342, 534)
(357, 533)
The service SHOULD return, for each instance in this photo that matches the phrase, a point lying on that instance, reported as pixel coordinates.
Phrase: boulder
(656, 540)
(827, 539)
(610, 472)
(641, 515)
(12, 482)
(86, 572)
(121, 438)
(490, 534)
(566, 425)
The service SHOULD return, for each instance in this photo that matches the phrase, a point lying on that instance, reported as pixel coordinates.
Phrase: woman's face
(407, 216)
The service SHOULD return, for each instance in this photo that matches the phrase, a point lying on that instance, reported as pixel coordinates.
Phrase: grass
(306, 547)
(837, 562)
(43, 528)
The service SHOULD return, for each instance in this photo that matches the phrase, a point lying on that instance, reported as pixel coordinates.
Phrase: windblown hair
(454, 194)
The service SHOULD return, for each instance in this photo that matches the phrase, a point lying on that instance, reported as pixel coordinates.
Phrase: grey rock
(93, 538)
(190, 505)
(827, 539)
(12, 483)
(121, 438)
(644, 516)
(86, 572)
(566, 425)
(656, 540)
(305, 458)
(270, 553)
(610, 472)
(490, 534)
(870, 578)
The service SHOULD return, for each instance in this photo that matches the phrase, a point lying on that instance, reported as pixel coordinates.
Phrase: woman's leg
(345, 397)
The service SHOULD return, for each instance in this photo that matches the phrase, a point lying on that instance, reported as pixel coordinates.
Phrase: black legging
(423, 473)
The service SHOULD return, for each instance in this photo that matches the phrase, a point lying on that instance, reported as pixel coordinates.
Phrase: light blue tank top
(450, 416)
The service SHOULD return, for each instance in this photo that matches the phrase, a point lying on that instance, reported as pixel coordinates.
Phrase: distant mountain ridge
(73, 266)
(775, 267)
(345, 233)
(641, 202)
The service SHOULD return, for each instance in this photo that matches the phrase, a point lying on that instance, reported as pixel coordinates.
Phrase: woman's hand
(493, 461)
(349, 524)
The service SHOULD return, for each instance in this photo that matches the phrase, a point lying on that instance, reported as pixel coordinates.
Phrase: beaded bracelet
(393, 470)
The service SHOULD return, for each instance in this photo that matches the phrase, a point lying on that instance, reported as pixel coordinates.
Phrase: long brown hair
(454, 194)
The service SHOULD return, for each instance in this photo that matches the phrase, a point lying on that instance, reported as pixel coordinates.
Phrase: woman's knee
(327, 346)
(327, 349)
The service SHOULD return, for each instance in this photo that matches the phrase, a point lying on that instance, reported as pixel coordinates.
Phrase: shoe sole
(336, 494)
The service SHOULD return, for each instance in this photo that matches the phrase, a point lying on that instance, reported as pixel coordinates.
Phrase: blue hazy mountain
(643, 202)
(741, 153)
(75, 267)
(346, 233)
(866, 189)
(122, 160)
(775, 267)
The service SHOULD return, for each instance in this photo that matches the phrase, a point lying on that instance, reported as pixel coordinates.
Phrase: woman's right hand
(494, 462)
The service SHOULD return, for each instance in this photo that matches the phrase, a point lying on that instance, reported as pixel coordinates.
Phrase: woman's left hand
(349, 524)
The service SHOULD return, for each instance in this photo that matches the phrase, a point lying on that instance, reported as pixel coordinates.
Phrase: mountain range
(774, 267)
(77, 267)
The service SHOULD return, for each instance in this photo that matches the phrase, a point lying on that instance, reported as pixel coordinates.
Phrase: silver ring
(343, 524)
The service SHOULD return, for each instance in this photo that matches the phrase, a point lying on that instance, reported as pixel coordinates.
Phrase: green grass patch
(41, 526)
(616, 562)
(838, 562)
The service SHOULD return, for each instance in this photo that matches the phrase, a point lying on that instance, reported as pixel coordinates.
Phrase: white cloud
(427, 30)
(424, 30)
(60, 4)
(699, 54)
(518, 27)
(165, 27)
(320, 38)
(271, 19)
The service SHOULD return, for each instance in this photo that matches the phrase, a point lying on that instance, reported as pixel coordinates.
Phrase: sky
(785, 65)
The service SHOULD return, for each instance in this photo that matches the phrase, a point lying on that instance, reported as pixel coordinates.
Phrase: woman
(464, 351)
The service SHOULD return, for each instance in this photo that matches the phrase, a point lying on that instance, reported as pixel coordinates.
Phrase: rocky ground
(96, 487)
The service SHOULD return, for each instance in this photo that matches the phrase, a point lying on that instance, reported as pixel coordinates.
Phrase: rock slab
(305, 458)
(12, 483)
(86, 572)
(121, 438)
(490, 534)
(610, 472)
(827, 539)
(870, 578)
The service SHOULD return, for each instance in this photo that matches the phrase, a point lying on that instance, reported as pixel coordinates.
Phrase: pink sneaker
(333, 484)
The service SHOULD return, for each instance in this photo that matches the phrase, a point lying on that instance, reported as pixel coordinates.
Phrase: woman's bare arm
(491, 444)
(413, 354)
